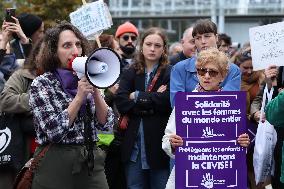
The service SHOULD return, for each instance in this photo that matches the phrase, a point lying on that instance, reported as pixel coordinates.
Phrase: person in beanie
(126, 35)
(33, 27)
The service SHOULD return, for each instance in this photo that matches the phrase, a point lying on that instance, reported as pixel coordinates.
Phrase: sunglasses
(126, 38)
(203, 71)
(246, 54)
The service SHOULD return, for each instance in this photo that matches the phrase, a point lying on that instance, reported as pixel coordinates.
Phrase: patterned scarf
(199, 88)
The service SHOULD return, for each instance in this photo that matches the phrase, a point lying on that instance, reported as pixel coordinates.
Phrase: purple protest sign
(209, 124)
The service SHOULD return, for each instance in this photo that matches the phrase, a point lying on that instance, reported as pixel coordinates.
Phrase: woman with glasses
(143, 95)
(212, 67)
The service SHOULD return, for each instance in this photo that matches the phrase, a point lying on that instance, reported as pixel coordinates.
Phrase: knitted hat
(29, 23)
(127, 27)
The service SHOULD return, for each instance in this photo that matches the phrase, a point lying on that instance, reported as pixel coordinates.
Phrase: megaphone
(101, 68)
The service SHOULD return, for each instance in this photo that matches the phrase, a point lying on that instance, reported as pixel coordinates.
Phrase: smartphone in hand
(9, 13)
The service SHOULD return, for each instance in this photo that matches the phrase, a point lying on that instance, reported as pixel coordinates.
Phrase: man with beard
(127, 35)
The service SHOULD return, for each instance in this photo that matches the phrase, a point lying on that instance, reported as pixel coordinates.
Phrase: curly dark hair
(139, 61)
(49, 59)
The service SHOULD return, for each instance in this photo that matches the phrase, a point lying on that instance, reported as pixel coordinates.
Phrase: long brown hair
(106, 40)
(32, 62)
(139, 60)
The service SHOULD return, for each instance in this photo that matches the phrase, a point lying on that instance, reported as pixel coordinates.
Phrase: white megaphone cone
(102, 68)
(94, 66)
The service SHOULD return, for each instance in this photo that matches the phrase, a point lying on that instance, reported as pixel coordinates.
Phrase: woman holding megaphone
(143, 97)
(67, 112)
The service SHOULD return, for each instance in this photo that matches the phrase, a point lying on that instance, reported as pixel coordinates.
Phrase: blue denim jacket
(184, 78)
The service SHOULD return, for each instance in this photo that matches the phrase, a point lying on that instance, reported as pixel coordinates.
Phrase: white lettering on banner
(212, 165)
(212, 104)
(199, 114)
(214, 149)
(190, 112)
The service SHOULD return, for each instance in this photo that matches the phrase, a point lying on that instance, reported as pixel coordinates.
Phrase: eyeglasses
(126, 38)
(203, 71)
(246, 54)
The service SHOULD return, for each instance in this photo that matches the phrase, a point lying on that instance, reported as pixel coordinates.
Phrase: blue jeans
(138, 178)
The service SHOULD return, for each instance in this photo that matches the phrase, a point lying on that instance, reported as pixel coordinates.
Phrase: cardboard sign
(91, 18)
(267, 45)
(209, 124)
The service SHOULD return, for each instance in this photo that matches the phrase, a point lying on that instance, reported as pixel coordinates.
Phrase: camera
(9, 13)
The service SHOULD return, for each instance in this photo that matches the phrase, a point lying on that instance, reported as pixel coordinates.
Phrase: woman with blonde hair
(212, 67)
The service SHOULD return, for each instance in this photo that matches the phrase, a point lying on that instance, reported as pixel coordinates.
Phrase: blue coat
(184, 78)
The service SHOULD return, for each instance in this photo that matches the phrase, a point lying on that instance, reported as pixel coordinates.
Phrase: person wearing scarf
(67, 112)
(212, 67)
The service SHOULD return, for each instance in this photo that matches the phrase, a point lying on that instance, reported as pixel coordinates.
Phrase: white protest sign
(267, 45)
(91, 18)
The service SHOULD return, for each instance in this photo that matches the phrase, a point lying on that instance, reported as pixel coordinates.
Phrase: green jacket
(274, 111)
(274, 114)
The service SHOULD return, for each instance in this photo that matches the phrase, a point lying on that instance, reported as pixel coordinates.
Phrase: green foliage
(49, 10)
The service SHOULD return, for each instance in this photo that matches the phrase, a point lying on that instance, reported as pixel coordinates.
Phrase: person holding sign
(67, 113)
(183, 75)
(274, 77)
(274, 114)
(212, 68)
(251, 81)
(143, 96)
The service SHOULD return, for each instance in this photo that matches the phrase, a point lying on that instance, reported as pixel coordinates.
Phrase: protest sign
(209, 124)
(267, 45)
(91, 18)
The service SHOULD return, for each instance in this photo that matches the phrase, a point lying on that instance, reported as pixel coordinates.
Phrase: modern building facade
(233, 17)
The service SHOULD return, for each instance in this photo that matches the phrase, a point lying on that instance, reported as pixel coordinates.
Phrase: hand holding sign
(270, 76)
(92, 18)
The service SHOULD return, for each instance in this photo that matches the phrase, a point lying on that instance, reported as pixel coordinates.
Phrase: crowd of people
(49, 107)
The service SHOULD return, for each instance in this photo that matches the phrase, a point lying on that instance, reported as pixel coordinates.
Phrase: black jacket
(152, 107)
